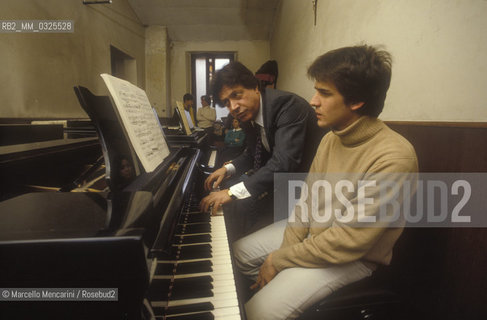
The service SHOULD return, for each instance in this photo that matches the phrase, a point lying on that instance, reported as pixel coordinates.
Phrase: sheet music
(188, 116)
(182, 112)
(139, 121)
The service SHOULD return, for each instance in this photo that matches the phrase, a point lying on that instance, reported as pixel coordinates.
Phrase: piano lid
(57, 215)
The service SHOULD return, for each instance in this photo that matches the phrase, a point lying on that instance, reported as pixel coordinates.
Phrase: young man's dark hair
(231, 75)
(187, 96)
(360, 73)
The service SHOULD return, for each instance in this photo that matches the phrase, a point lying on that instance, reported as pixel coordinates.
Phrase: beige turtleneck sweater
(366, 148)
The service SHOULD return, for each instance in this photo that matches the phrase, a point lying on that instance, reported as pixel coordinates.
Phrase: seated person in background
(236, 136)
(282, 136)
(298, 261)
(234, 143)
(188, 103)
(206, 116)
(228, 123)
(219, 133)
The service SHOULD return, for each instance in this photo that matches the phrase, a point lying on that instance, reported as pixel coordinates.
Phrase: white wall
(157, 68)
(251, 53)
(39, 70)
(439, 49)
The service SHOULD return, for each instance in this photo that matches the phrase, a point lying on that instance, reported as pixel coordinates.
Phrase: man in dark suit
(282, 136)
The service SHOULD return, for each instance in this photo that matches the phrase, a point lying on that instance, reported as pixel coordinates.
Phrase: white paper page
(190, 122)
(138, 120)
(182, 112)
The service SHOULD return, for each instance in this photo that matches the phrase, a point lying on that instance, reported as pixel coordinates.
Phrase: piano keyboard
(198, 282)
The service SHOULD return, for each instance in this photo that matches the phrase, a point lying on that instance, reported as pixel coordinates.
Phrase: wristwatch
(231, 195)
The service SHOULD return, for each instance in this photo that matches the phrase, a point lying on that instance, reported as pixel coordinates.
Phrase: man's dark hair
(360, 73)
(207, 99)
(187, 96)
(231, 75)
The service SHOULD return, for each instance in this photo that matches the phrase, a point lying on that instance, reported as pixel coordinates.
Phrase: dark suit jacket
(293, 134)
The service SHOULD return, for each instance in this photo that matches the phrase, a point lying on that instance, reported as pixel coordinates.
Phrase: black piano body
(61, 240)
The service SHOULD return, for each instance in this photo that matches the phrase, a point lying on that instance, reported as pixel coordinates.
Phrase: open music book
(138, 119)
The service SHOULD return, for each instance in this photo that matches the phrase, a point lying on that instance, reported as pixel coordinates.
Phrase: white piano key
(224, 286)
(223, 300)
(222, 312)
(229, 317)
(215, 276)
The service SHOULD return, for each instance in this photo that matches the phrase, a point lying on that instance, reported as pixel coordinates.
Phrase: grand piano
(142, 236)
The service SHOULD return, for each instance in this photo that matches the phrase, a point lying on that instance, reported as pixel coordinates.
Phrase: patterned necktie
(258, 148)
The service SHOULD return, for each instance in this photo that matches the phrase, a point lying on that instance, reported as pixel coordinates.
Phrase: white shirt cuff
(239, 191)
(230, 169)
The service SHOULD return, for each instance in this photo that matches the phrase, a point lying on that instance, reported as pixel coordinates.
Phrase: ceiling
(210, 20)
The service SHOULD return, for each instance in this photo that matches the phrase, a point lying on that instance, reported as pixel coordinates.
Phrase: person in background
(267, 74)
(206, 117)
(236, 136)
(295, 264)
(234, 143)
(188, 103)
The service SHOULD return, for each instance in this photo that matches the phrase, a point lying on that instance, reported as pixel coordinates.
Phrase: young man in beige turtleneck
(296, 264)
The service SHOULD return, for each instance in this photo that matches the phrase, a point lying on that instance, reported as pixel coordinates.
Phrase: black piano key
(198, 291)
(159, 290)
(187, 288)
(194, 267)
(190, 203)
(193, 287)
(193, 218)
(183, 268)
(162, 255)
(197, 251)
(188, 239)
(192, 210)
(193, 213)
(188, 283)
(193, 228)
(165, 269)
(200, 251)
